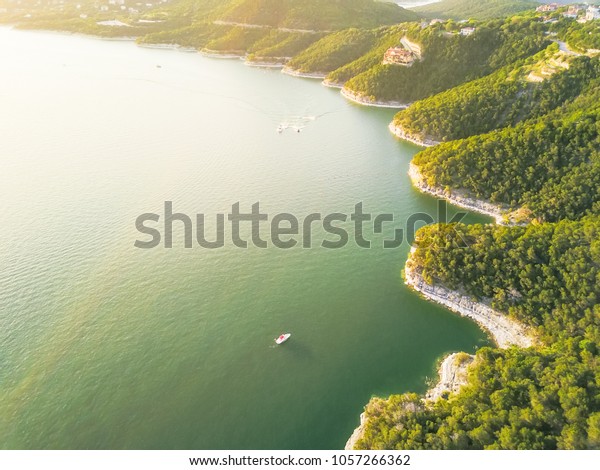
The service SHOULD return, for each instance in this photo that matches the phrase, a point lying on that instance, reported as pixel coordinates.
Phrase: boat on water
(283, 338)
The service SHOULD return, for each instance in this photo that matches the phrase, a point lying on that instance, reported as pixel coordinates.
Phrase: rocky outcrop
(452, 373)
(412, 47)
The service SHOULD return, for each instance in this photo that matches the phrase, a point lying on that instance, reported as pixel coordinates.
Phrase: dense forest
(348, 53)
(546, 397)
(534, 272)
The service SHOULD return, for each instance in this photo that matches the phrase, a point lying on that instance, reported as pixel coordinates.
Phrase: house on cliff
(398, 56)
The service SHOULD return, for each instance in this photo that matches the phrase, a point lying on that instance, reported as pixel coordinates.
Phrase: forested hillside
(501, 99)
(281, 44)
(387, 37)
(308, 14)
(288, 29)
(316, 14)
(545, 164)
(450, 59)
(334, 51)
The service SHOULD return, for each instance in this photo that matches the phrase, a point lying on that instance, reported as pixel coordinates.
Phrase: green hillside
(386, 38)
(579, 36)
(334, 50)
(287, 28)
(199, 23)
(279, 44)
(308, 14)
(501, 99)
(317, 14)
(542, 163)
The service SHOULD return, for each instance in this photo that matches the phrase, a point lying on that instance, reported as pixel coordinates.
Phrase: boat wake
(299, 122)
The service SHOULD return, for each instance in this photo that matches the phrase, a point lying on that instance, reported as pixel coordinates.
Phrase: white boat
(283, 338)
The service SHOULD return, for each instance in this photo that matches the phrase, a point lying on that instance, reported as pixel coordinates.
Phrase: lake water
(104, 345)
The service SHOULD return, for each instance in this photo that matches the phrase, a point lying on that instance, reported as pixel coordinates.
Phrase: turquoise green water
(103, 345)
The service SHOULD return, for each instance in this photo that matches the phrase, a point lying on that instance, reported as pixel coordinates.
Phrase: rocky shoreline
(357, 433)
(297, 73)
(273, 62)
(475, 205)
(223, 55)
(332, 84)
(399, 132)
(356, 98)
(175, 47)
(504, 330)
